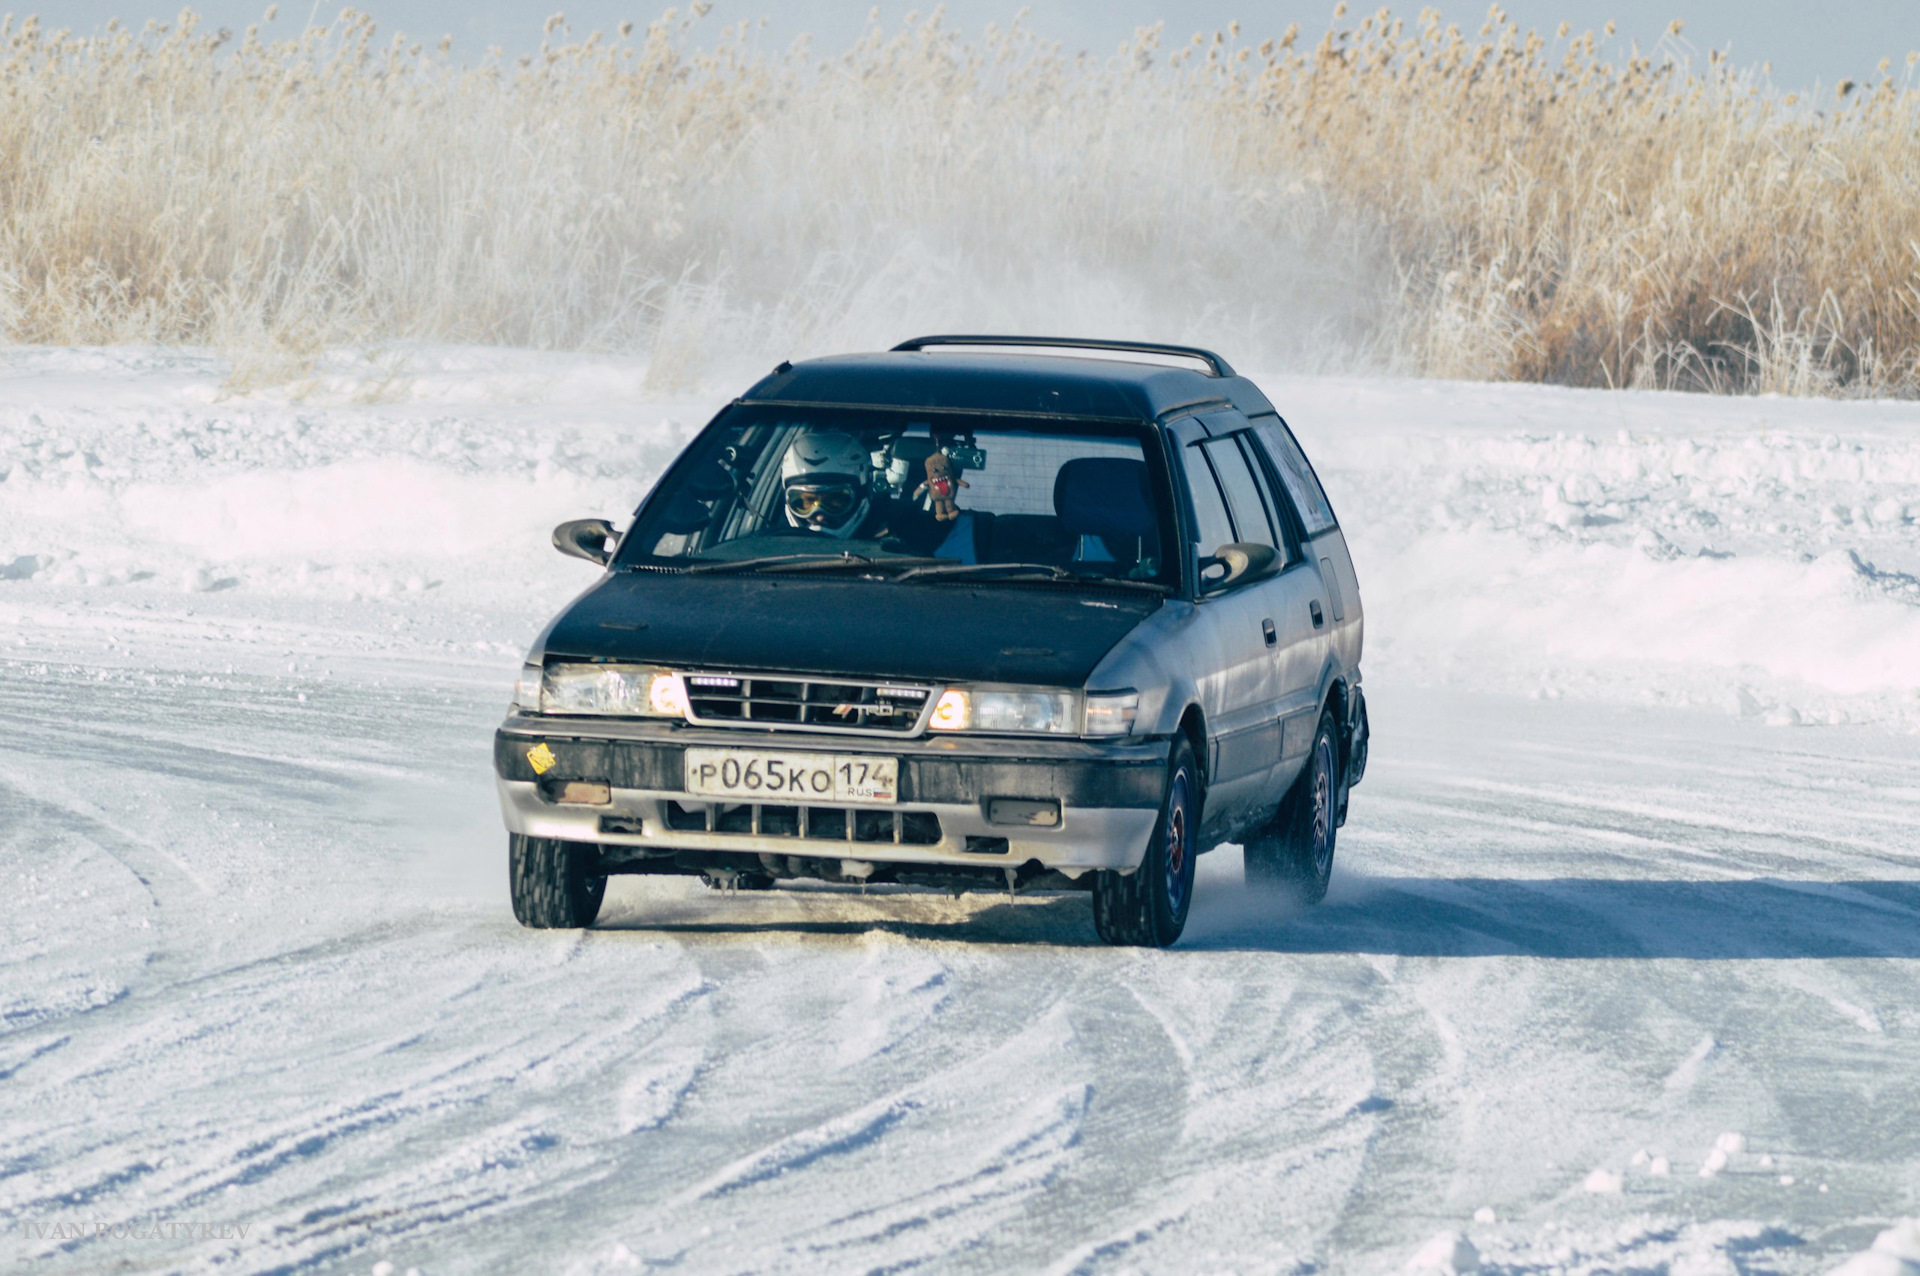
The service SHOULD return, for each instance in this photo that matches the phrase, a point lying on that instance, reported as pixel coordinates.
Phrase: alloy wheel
(1177, 849)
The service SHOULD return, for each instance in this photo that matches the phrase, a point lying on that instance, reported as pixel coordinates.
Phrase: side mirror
(585, 538)
(1237, 564)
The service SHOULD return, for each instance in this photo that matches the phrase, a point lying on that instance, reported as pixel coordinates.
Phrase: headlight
(953, 711)
(633, 690)
(973, 709)
(1111, 712)
(526, 692)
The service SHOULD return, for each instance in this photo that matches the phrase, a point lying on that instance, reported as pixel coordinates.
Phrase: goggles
(831, 501)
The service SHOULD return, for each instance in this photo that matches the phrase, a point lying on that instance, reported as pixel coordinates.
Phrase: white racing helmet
(823, 480)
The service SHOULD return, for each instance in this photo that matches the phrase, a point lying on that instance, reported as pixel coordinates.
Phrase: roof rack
(1219, 366)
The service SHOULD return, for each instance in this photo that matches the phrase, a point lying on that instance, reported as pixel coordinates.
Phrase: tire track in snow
(842, 1136)
(476, 1094)
(1053, 1103)
(75, 875)
(1136, 1109)
(823, 1123)
(1114, 1129)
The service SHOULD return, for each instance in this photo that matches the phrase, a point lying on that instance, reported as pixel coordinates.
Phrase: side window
(1274, 502)
(1316, 516)
(1212, 527)
(1252, 521)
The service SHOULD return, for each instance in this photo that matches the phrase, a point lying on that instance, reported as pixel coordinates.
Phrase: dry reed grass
(1494, 205)
(1560, 217)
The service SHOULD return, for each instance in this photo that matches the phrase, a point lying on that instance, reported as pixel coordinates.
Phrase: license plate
(755, 776)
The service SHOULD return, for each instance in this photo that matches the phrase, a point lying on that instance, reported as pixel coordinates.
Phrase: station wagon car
(976, 613)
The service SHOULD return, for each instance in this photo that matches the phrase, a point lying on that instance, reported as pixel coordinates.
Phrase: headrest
(1104, 496)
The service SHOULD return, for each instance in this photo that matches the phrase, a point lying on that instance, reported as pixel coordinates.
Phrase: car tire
(1293, 852)
(1148, 907)
(556, 885)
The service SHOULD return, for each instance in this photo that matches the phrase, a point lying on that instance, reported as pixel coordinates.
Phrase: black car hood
(1030, 634)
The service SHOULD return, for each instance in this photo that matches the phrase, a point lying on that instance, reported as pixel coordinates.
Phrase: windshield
(913, 496)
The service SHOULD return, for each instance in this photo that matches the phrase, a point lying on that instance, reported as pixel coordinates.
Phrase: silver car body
(1245, 671)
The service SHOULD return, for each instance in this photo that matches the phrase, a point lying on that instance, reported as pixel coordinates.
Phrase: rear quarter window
(1296, 475)
(1244, 500)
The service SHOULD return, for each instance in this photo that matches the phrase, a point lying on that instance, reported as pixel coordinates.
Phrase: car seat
(1106, 504)
(1026, 538)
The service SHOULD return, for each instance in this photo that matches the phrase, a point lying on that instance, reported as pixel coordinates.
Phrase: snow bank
(1896, 1252)
(133, 468)
(1759, 556)
(1447, 1254)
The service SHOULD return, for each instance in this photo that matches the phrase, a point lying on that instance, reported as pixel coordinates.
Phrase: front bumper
(1108, 795)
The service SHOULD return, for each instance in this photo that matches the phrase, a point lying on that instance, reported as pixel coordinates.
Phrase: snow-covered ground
(1620, 969)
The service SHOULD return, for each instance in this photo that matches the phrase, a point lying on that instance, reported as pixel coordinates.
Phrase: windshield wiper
(1121, 582)
(1045, 571)
(769, 560)
(915, 568)
(815, 563)
(860, 560)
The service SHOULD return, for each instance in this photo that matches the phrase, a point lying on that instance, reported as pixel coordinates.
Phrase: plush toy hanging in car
(939, 487)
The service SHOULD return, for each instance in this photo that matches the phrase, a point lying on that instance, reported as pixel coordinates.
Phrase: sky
(1806, 42)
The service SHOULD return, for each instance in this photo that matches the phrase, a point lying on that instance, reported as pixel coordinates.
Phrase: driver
(826, 489)
(824, 480)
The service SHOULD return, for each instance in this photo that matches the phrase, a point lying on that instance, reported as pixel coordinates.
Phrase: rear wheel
(1293, 852)
(556, 885)
(1148, 907)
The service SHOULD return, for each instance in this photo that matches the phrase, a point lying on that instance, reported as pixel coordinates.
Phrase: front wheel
(1293, 852)
(1148, 907)
(556, 885)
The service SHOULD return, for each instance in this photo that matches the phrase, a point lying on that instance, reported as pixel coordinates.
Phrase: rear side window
(1211, 526)
(1316, 516)
(1251, 519)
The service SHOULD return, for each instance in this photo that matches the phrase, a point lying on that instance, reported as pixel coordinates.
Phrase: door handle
(1266, 631)
(1313, 609)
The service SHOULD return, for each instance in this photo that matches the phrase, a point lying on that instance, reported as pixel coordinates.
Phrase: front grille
(808, 823)
(799, 704)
